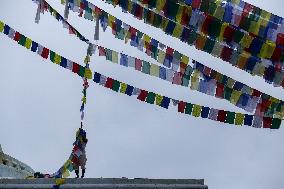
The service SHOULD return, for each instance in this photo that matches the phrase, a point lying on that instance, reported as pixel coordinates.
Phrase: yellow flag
(263, 50)
(267, 49)
(235, 96)
(123, 87)
(275, 100)
(28, 43)
(179, 14)
(224, 25)
(261, 70)
(147, 38)
(57, 59)
(111, 19)
(184, 59)
(160, 4)
(84, 100)
(265, 17)
(219, 13)
(159, 99)
(1, 26)
(177, 31)
(129, 5)
(254, 27)
(87, 59)
(88, 73)
(230, 83)
(239, 119)
(154, 70)
(164, 23)
(242, 60)
(246, 41)
(161, 56)
(65, 174)
(128, 36)
(236, 2)
(66, 164)
(196, 110)
(195, 80)
(114, 57)
(59, 181)
(54, 13)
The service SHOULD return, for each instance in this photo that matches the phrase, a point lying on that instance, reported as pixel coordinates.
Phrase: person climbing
(79, 158)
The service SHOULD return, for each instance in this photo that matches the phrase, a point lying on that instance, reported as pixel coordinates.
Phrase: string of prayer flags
(185, 79)
(87, 75)
(243, 61)
(147, 96)
(242, 14)
(278, 79)
(142, 66)
(212, 83)
(45, 52)
(276, 109)
(225, 52)
(186, 107)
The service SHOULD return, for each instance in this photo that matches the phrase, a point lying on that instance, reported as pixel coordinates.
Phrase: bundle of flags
(235, 92)
(142, 95)
(242, 15)
(228, 26)
(205, 33)
(241, 94)
(272, 72)
(207, 81)
(73, 159)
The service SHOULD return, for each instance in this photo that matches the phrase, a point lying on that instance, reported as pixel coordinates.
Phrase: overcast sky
(40, 105)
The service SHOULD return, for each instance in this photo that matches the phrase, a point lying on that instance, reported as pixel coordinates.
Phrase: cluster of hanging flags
(212, 83)
(264, 105)
(73, 160)
(217, 14)
(243, 15)
(260, 58)
(142, 95)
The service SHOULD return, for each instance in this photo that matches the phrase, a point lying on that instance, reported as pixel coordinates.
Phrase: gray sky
(40, 105)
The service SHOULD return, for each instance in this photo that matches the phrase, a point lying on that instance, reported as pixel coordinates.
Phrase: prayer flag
(150, 98)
